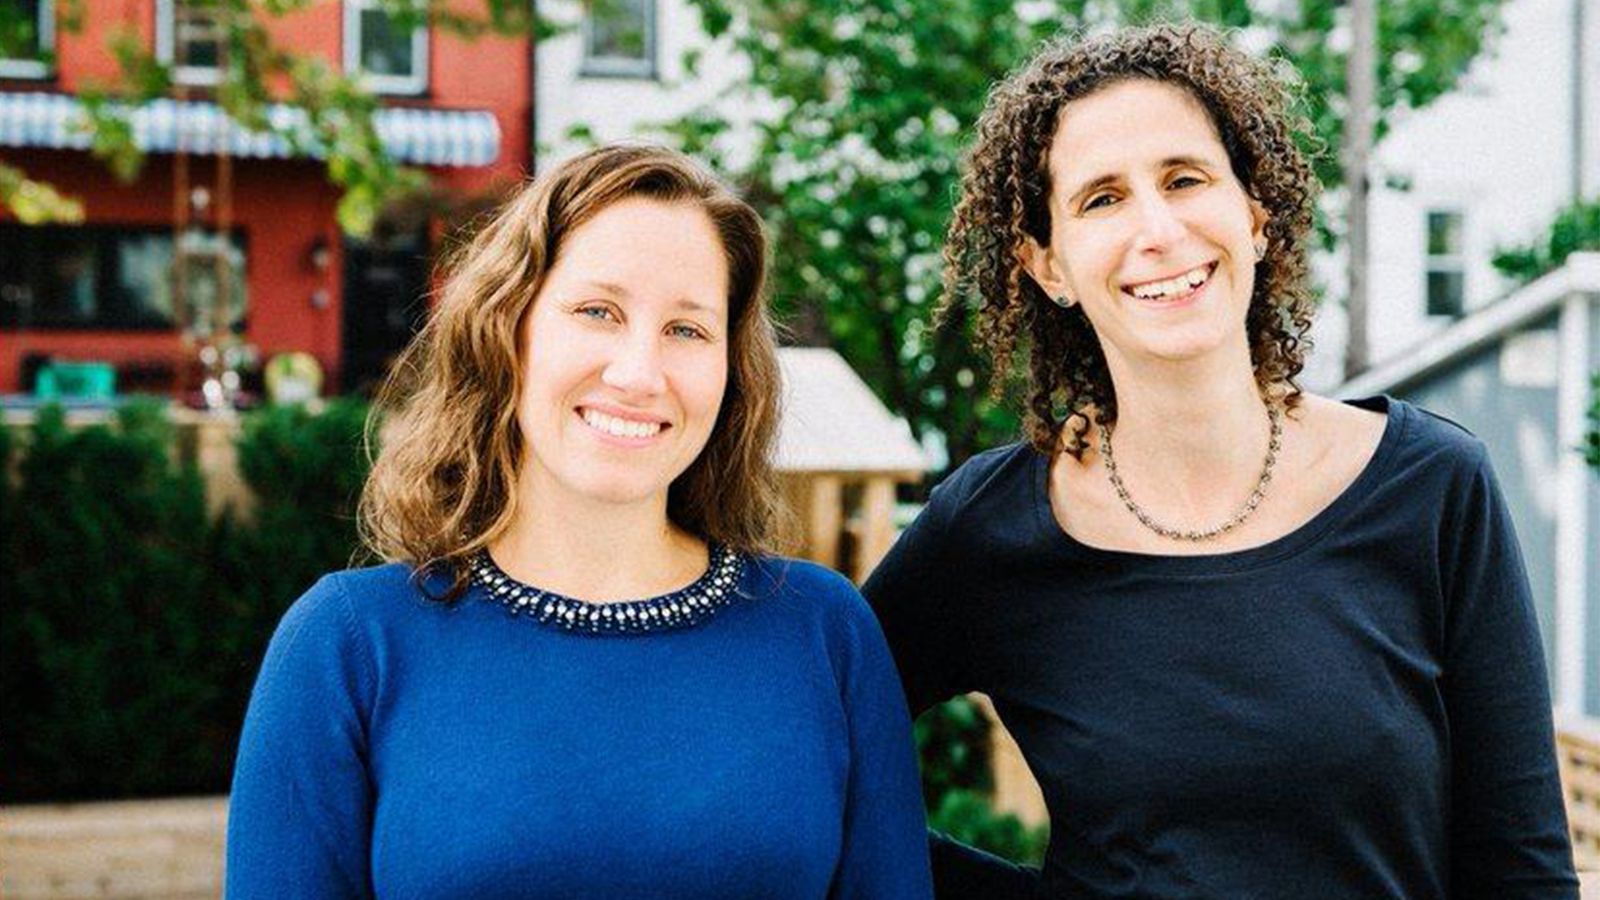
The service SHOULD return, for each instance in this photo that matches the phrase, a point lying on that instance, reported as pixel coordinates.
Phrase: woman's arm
(300, 816)
(911, 593)
(1508, 828)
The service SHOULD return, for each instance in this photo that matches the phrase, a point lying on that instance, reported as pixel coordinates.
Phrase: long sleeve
(883, 854)
(299, 821)
(1508, 831)
(911, 593)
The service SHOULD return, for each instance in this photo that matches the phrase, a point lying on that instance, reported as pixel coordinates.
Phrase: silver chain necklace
(1244, 512)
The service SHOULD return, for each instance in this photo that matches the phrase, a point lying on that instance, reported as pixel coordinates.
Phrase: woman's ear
(1046, 272)
(1258, 221)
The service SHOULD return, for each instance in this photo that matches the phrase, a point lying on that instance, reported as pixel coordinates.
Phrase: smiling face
(1150, 229)
(624, 355)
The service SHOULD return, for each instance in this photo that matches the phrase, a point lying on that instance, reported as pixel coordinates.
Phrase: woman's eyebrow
(1171, 162)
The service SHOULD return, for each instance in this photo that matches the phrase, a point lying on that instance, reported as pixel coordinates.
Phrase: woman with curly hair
(1252, 642)
(581, 672)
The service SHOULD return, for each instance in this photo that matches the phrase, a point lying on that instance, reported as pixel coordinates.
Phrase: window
(619, 38)
(27, 38)
(392, 58)
(115, 278)
(189, 35)
(1447, 279)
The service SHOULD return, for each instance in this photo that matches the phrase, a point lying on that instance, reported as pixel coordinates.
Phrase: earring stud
(1062, 301)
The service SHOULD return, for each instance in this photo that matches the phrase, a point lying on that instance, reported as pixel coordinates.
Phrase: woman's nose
(635, 367)
(1159, 225)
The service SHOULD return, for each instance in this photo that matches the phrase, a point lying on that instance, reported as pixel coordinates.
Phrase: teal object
(76, 380)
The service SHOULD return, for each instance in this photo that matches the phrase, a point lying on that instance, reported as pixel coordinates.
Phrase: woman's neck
(597, 551)
(1194, 432)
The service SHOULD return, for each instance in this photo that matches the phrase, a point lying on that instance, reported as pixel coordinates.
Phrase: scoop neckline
(1396, 419)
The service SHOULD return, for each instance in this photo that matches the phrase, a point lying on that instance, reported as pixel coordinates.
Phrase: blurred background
(219, 221)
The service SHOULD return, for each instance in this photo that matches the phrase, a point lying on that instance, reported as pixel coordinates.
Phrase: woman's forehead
(1131, 125)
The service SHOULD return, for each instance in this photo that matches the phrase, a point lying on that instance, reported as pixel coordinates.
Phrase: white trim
(33, 68)
(1581, 274)
(415, 83)
(192, 76)
(1572, 512)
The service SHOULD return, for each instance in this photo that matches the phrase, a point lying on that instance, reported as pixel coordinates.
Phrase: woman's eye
(686, 331)
(1183, 181)
(596, 312)
(1098, 201)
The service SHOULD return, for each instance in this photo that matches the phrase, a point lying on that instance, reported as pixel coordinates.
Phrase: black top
(1358, 709)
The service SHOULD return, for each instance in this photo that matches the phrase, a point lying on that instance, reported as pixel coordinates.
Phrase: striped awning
(428, 137)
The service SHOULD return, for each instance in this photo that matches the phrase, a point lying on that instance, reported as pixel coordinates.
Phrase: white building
(1485, 167)
(622, 66)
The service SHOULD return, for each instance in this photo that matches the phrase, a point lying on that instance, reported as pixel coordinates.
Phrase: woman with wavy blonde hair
(581, 672)
(1252, 642)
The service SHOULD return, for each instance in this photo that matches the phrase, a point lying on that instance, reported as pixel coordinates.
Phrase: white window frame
(624, 66)
(1444, 263)
(35, 68)
(413, 84)
(193, 76)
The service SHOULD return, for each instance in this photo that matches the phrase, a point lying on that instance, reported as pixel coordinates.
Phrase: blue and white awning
(428, 137)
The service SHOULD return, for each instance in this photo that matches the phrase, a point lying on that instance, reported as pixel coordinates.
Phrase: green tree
(339, 110)
(1575, 229)
(874, 101)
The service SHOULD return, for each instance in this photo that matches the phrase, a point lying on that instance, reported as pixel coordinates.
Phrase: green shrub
(1575, 229)
(133, 624)
(968, 817)
(953, 741)
(108, 665)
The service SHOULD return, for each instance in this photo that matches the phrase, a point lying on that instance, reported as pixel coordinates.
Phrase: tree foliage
(873, 102)
(1576, 228)
(256, 69)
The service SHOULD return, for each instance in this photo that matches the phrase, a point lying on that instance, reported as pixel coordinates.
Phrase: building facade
(122, 287)
(618, 70)
(1485, 167)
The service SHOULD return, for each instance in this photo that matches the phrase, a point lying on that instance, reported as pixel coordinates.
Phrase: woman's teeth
(619, 427)
(1172, 287)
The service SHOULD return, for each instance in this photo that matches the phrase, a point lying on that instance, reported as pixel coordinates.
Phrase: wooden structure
(841, 454)
(1578, 753)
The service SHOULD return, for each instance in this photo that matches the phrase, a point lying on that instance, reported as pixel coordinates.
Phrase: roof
(1580, 275)
(832, 422)
(420, 136)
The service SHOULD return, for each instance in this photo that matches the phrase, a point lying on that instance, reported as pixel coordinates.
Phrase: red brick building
(102, 290)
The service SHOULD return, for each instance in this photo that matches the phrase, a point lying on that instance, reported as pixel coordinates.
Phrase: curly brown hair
(1004, 203)
(443, 484)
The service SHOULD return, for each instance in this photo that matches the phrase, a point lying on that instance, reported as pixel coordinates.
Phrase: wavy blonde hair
(442, 486)
(1004, 201)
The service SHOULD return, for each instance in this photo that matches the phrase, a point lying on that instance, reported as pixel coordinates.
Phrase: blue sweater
(399, 747)
(1356, 710)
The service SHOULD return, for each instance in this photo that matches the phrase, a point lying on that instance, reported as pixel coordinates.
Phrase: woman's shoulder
(811, 590)
(342, 601)
(991, 477)
(1425, 439)
(786, 577)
